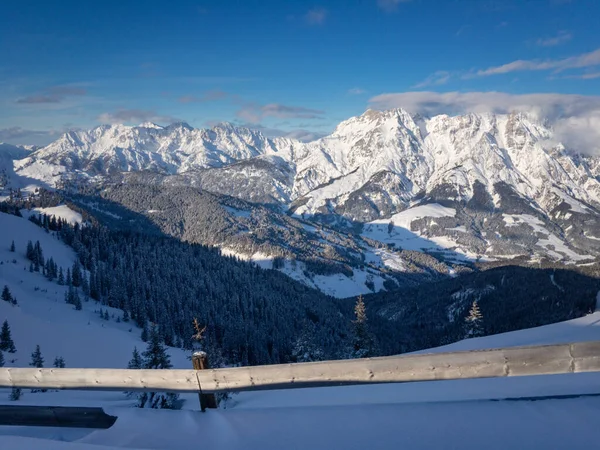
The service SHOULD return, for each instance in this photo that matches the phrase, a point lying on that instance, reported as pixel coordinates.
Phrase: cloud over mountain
(575, 118)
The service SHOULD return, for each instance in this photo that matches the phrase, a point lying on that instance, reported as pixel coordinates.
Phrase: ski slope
(461, 414)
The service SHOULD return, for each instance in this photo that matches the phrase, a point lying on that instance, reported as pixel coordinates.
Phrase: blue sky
(287, 66)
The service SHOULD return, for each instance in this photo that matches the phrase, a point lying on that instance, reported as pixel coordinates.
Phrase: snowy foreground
(465, 414)
(455, 414)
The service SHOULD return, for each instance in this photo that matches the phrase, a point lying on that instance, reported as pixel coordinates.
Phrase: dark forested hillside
(510, 298)
(198, 216)
(252, 315)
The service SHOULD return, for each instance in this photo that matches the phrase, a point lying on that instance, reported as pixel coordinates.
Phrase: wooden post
(200, 362)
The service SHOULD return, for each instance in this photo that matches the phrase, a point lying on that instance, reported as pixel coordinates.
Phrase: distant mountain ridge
(505, 184)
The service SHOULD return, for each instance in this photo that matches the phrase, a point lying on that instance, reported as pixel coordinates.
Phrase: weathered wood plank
(519, 361)
(53, 416)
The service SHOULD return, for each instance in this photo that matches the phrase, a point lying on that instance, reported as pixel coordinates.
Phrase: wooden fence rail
(509, 362)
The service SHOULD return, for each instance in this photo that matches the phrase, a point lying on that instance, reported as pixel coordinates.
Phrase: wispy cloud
(356, 91)
(435, 79)
(299, 134)
(316, 16)
(560, 38)
(575, 118)
(390, 5)
(35, 99)
(54, 94)
(304, 135)
(23, 136)
(584, 76)
(134, 116)
(590, 59)
(209, 96)
(255, 113)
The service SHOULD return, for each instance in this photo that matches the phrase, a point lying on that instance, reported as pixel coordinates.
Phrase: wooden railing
(508, 362)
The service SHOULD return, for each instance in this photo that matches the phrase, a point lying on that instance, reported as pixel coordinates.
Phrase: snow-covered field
(397, 231)
(463, 414)
(61, 211)
(337, 285)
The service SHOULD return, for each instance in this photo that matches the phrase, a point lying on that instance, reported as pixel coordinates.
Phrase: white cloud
(209, 96)
(22, 136)
(54, 94)
(590, 59)
(586, 76)
(390, 5)
(435, 79)
(316, 16)
(575, 118)
(255, 113)
(299, 134)
(356, 91)
(134, 116)
(560, 38)
(304, 135)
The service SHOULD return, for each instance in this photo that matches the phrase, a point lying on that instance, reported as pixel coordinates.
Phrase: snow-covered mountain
(506, 186)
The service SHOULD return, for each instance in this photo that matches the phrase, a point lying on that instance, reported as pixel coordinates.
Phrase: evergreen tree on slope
(156, 357)
(37, 361)
(363, 345)
(6, 342)
(474, 322)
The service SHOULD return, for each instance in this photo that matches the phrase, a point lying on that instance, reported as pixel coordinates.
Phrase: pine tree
(77, 301)
(6, 342)
(474, 322)
(15, 394)
(145, 333)
(6, 295)
(61, 277)
(39, 254)
(69, 280)
(363, 345)
(85, 287)
(12, 246)
(76, 274)
(37, 361)
(59, 362)
(1, 359)
(136, 361)
(30, 253)
(156, 357)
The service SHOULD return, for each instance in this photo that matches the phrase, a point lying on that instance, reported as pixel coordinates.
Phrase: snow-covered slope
(8, 178)
(42, 317)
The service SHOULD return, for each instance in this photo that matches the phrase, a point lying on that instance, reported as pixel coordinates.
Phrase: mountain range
(387, 195)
